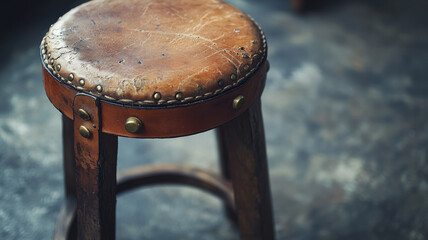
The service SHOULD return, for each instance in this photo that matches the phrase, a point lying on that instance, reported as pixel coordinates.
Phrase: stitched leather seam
(50, 67)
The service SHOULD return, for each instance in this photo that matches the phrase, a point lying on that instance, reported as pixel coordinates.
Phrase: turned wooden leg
(246, 153)
(96, 155)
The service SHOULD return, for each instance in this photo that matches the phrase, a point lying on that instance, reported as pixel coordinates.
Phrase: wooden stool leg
(224, 167)
(68, 156)
(65, 227)
(96, 155)
(246, 151)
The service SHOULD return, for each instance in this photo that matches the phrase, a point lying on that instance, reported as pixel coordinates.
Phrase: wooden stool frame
(91, 184)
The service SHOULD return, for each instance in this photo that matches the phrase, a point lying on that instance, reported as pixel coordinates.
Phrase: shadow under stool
(157, 69)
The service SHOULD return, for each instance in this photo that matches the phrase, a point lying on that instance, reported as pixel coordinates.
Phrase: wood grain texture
(65, 227)
(95, 174)
(225, 168)
(246, 152)
(68, 156)
(147, 176)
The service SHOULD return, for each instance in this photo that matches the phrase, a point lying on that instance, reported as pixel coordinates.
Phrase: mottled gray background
(345, 108)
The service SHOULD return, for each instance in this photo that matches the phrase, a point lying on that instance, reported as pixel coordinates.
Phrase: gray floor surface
(345, 110)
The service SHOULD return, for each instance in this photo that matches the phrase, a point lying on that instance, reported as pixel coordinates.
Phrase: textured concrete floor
(346, 112)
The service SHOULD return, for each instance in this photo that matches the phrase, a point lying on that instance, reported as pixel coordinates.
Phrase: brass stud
(179, 95)
(83, 114)
(84, 131)
(58, 67)
(99, 88)
(82, 82)
(233, 76)
(49, 55)
(238, 102)
(51, 61)
(70, 77)
(246, 67)
(220, 83)
(157, 96)
(133, 125)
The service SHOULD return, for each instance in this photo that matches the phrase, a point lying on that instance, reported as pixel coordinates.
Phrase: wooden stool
(157, 69)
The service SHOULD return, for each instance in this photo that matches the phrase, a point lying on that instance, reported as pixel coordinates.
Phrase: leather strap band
(163, 122)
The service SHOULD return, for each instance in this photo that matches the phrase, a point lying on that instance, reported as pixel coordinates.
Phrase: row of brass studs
(179, 95)
(156, 95)
(57, 68)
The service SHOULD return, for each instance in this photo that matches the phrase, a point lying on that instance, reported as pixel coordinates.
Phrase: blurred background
(345, 110)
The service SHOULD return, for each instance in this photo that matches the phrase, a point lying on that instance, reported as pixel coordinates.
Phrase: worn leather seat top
(154, 51)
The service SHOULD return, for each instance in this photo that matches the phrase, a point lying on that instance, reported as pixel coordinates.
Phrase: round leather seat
(154, 52)
(181, 67)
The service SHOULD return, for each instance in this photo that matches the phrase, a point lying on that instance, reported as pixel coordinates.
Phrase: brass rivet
(220, 83)
(51, 61)
(246, 67)
(58, 67)
(233, 76)
(238, 102)
(99, 88)
(49, 55)
(70, 77)
(83, 114)
(133, 125)
(260, 51)
(82, 82)
(157, 96)
(84, 131)
(179, 95)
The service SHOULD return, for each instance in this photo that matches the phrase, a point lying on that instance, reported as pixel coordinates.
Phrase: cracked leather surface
(134, 48)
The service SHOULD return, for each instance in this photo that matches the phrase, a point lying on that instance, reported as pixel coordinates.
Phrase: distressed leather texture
(154, 51)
